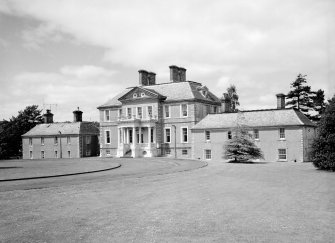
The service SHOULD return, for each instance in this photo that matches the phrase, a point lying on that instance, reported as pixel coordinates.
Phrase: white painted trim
(167, 128)
(182, 135)
(204, 154)
(109, 136)
(181, 110)
(169, 106)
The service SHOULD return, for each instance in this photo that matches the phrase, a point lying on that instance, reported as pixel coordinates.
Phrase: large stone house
(61, 139)
(184, 119)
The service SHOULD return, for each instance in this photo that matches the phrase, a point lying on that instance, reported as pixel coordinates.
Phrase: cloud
(260, 46)
(84, 86)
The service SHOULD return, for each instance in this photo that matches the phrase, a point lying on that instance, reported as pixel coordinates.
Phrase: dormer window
(135, 95)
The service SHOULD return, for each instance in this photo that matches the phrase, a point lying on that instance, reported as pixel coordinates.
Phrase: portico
(136, 140)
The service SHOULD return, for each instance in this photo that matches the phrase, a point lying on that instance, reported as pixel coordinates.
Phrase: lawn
(223, 202)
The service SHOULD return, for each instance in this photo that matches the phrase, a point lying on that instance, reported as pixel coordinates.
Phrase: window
(42, 155)
(208, 154)
(42, 141)
(120, 113)
(229, 135)
(184, 134)
(56, 154)
(30, 141)
(215, 109)
(149, 111)
(184, 110)
(168, 135)
(88, 139)
(167, 151)
(282, 133)
(108, 137)
(282, 154)
(108, 152)
(256, 134)
(31, 154)
(129, 113)
(107, 116)
(68, 140)
(139, 112)
(56, 140)
(152, 135)
(184, 152)
(69, 154)
(167, 111)
(207, 135)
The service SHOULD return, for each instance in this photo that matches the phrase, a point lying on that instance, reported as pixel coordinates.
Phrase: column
(149, 137)
(139, 134)
(134, 136)
(118, 136)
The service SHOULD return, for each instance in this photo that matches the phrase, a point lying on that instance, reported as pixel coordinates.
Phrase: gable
(139, 93)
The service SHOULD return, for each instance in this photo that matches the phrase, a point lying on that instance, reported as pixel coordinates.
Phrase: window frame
(165, 134)
(282, 135)
(182, 135)
(206, 155)
(42, 154)
(56, 140)
(129, 114)
(256, 134)
(42, 141)
(108, 152)
(167, 108)
(229, 135)
(282, 154)
(30, 141)
(108, 137)
(68, 140)
(69, 153)
(182, 112)
(107, 116)
(138, 113)
(148, 112)
(207, 135)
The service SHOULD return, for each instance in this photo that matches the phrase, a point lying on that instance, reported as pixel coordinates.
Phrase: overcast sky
(81, 53)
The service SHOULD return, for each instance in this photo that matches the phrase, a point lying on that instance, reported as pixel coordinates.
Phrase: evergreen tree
(319, 104)
(241, 147)
(309, 102)
(323, 153)
(300, 95)
(11, 131)
(233, 98)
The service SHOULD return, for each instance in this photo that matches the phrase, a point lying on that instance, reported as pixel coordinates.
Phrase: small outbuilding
(61, 139)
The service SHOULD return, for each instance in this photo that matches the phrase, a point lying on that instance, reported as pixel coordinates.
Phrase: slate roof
(66, 128)
(256, 118)
(174, 91)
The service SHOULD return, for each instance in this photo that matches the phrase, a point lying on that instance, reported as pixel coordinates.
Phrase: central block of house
(155, 119)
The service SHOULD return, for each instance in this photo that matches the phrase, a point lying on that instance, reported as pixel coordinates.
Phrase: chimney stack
(177, 74)
(143, 77)
(77, 116)
(151, 78)
(48, 117)
(225, 103)
(280, 101)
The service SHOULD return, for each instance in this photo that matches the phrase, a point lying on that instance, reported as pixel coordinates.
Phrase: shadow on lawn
(247, 162)
(10, 167)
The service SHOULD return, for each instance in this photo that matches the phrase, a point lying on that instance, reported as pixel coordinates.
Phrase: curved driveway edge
(28, 171)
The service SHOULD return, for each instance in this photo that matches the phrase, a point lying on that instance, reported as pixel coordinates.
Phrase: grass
(223, 202)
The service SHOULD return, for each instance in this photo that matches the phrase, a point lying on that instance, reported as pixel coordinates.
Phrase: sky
(64, 54)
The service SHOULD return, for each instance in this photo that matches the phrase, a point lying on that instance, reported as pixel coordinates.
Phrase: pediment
(138, 93)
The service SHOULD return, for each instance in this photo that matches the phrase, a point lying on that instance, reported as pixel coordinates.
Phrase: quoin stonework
(184, 119)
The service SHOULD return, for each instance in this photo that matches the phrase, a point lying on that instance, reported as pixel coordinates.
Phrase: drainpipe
(60, 144)
(175, 141)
